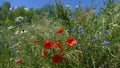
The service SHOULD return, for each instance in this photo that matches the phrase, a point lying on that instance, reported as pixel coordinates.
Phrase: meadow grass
(97, 36)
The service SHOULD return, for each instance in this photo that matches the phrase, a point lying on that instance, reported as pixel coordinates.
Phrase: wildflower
(71, 41)
(35, 42)
(60, 30)
(20, 17)
(105, 42)
(12, 42)
(105, 31)
(43, 52)
(94, 38)
(58, 58)
(81, 30)
(19, 60)
(23, 31)
(72, 17)
(17, 20)
(57, 43)
(71, 29)
(17, 32)
(12, 39)
(48, 44)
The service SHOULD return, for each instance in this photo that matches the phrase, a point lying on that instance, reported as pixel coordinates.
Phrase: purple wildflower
(71, 29)
(17, 20)
(72, 17)
(81, 30)
(12, 42)
(105, 31)
(105, 42)
(94, 38)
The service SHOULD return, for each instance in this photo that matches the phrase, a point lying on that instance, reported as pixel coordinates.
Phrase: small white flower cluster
(19, 19)
(21, 32)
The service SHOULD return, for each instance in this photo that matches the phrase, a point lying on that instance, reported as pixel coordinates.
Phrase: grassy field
(82, 40)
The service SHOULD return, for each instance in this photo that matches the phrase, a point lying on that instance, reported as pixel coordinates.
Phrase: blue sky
(40, 3)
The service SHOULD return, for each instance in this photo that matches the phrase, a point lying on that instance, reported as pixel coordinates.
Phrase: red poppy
(58, 58)
(57, 43)
(43, 52)
(48, 44)
(60, 30)
(71, 41)
(35, 42)
(19, 60)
